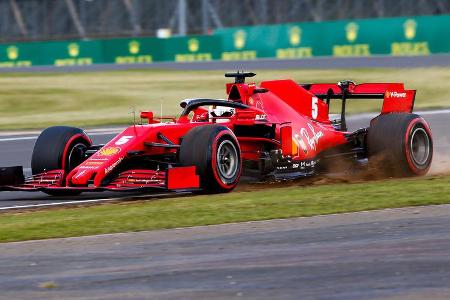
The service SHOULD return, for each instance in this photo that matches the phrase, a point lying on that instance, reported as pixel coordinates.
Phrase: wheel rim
(420, 146)
(76, 155)
(227, 161)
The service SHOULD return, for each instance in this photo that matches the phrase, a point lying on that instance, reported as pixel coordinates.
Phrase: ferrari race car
(279, 129)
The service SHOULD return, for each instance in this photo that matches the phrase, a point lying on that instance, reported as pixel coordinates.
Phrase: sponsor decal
(79, 174)
(201, 117)
(123, 140)
(308, 164)
(251, 101)
(240, 38)
(97, 159)
(313, 138)
(134, 47)
(294, 51)
(303, 146)
(394, 94)
(299, 165)
(73, 49)
(352, 49)
(193, 45)
(260, 117)
(351, 31)
(108, 151)
(135, 56)
(84, 167)
(411, 46)
(111, 167)
(410, 28)
(295, 35)
(259, 105)
(239, 55)
(301, 143)
(239, 43)
(12, 52)
(93, 163)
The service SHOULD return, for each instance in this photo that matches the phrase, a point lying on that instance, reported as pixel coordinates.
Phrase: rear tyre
(215, 152)
(59, 147)
(400, 145)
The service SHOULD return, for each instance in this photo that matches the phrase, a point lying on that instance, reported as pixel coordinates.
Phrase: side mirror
(147, 115)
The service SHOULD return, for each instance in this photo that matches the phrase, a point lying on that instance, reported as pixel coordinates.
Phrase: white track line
(434, 112)
(58, 203)
(90, 133)
(74, 202)
(37, 132)
(18, 139)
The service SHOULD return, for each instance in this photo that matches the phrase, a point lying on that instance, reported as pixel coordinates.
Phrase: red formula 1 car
(279, 129)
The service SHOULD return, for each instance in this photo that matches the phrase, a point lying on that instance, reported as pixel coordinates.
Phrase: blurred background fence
(84, 32)
(68, 19)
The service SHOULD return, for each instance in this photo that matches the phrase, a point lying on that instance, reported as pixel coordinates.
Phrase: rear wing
(395, 98)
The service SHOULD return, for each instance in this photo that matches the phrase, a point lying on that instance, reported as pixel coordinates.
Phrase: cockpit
(210, 110)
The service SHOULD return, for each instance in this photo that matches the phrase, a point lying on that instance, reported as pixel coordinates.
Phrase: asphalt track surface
(16, 149)
(437, 60)
(390, 254)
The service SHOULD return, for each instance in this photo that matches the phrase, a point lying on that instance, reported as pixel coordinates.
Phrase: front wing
(172, 179)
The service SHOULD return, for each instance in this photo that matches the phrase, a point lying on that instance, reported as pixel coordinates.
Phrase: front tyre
(59, 148)
(400, 144)
(215, 152)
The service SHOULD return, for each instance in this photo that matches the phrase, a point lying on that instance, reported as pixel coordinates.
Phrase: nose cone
(86, 171)
(82, 176)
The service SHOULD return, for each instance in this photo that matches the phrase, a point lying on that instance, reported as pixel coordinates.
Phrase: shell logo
(295, 36)
(12, 52)
(73, 49)
(240, 38)
(193, 45)
(410, 28)
(351, 31)
(108, 151)
(134, 47)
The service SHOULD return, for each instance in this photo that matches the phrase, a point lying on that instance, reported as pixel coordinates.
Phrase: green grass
(37, 100)
(293, 201)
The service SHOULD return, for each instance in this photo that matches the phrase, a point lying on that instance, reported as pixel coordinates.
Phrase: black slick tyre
(214, 151)
(400, 145)
(59, 147)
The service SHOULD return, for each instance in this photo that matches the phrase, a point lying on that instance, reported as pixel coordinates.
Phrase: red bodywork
(293, 118)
